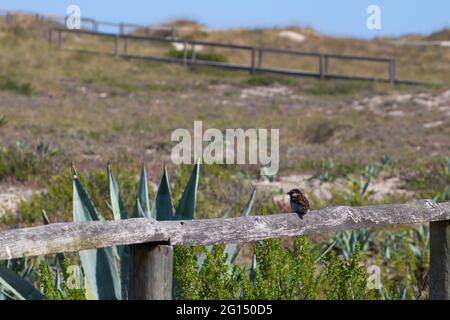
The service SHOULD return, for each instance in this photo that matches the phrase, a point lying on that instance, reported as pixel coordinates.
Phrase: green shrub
(17, 86)
(56, 287)
(432, 181)
(3, 120)
(280, 273)
(19, 164)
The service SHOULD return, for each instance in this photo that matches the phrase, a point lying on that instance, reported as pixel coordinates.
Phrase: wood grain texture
(440, 260)
(70, 237)
(151, 272)
(67, 237)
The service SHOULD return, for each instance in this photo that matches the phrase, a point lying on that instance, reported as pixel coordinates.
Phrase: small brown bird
(299, 203)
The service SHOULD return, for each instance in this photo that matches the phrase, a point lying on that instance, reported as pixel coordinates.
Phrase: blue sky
(334, 17)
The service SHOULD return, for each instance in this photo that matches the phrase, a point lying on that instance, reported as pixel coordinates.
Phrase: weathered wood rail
(152, 240)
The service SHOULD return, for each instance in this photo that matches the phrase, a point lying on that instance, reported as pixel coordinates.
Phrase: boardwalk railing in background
(152, 241)
(256, 55)
(92, 27)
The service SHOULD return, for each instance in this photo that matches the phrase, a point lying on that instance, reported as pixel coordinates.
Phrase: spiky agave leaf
(230, 248)
(163, 200)
(117, 206)
(98, 264)
(226, 214)
(2, 296)
(186, 206)
(45, 217)
(325, 251)
(201, 258)
(252, 270)
(123, 252)
(142, 208)
(83, 209)
(21, 288)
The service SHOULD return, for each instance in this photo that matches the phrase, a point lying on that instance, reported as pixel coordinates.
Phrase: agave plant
(14, 284)
(345, 242)
(107, 269)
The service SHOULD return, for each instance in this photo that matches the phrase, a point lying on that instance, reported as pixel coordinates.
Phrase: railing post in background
(121, 28)
(322, 66)
(260, 57)
(253, 63)
(185, 52)
(392, 71)
(125, 45)
(50, 38)
(193, 53)
(94, 26)
(116, 45)
(151, 272)
(9, 20)
(60, 39)
(439, 260)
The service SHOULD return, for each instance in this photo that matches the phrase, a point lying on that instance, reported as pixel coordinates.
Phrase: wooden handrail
(255, 53)
(69, 237)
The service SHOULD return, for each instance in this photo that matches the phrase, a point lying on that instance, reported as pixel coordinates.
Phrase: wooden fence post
(116, 45)
(193, 54)
(151, 272)
(440, 260)
(9, 20)
(94, 26)
(60, 39)
(392, 71)
(50, 38)
(253, 63)
(322, 66)
(125, 45)
(185, 52)
(260, 57)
